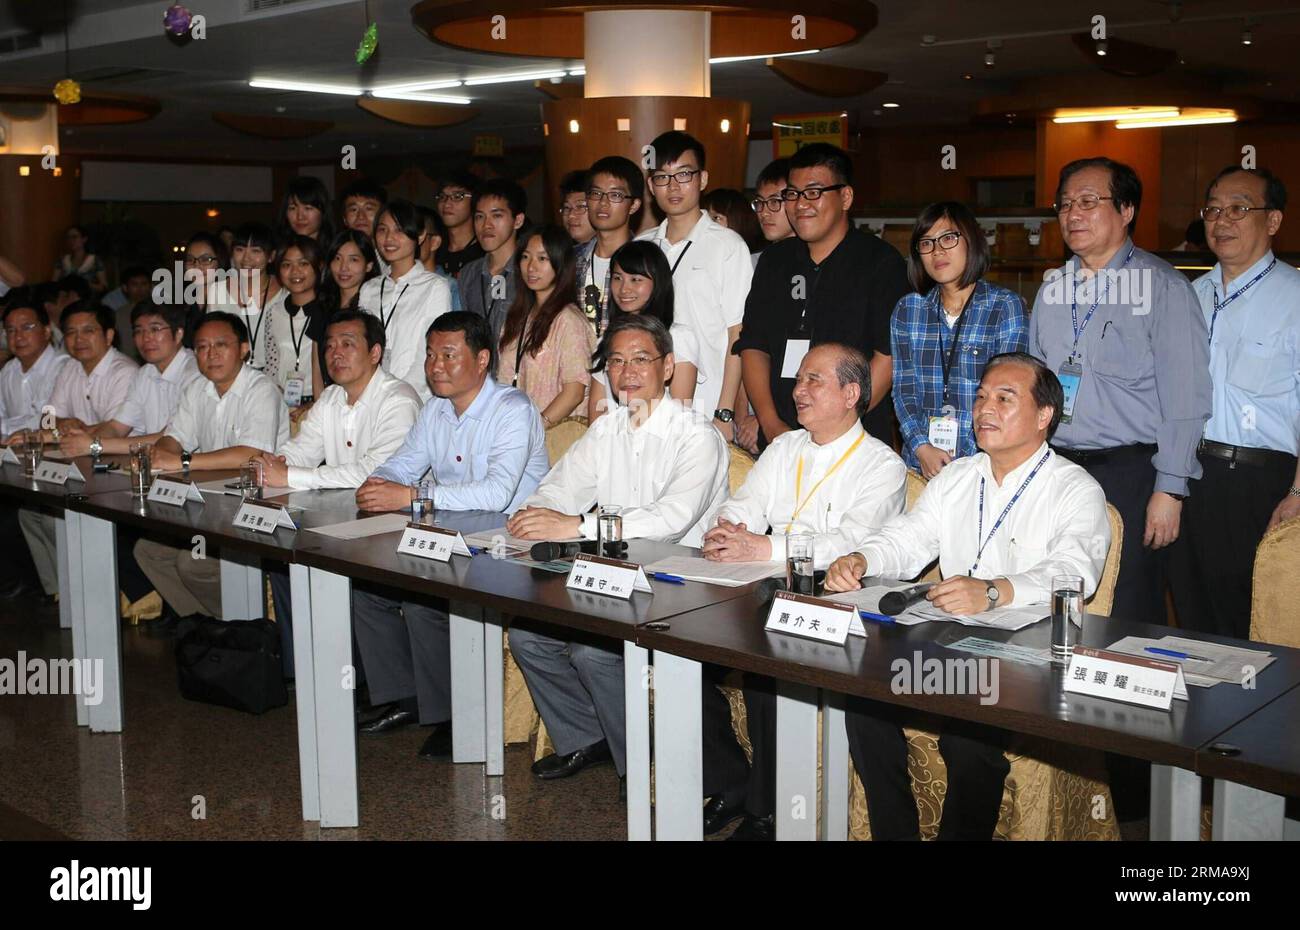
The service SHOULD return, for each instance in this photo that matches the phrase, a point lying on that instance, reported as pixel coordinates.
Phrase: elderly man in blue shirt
(1249, 480)
(480, 445)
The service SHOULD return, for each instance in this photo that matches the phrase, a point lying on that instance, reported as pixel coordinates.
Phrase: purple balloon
(176, 19)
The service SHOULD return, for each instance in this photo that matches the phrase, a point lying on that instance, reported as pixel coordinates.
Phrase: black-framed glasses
(773, 204)
(580, 207)
(636, 363)
(948, 241)
(207, 261)
(597, 195)
(812, 193)
(453, 196)
(1232, 212)
(681, 177)
(1086, 202)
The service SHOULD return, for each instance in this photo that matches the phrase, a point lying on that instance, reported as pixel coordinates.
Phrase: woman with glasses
(204, 292)
(546, 341)
(642, 283)
(942, 336)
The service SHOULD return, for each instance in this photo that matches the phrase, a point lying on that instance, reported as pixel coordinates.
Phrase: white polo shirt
(406, 307)
(154, 395)
(251, 413)
(92, 398)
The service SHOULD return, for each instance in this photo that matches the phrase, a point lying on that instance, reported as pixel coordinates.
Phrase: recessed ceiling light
(1101, 47)
(890, 106)
(990, 59)
(1246, 37)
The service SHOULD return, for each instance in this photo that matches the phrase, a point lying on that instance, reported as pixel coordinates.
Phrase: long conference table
(1242, 737)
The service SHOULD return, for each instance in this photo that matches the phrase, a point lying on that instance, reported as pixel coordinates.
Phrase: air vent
(19, 42)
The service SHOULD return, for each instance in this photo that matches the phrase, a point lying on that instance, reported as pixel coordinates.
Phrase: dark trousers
(760, 720)
(973, 754)
(1212, 563)
(130, 579)
(15, 558)
(724, 760)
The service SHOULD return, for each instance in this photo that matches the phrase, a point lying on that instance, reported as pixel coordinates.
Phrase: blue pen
(1174, 655)
(879, 618)
(664, 576)
(474, 550)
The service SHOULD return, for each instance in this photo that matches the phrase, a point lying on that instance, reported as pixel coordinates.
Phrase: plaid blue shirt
(995, 322)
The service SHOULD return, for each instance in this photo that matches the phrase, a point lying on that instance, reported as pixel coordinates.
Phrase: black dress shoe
(391, 719)
(162, 625)
(438, 743)
(14, 590)
(722, 809)
(760, 829)
(558, 766)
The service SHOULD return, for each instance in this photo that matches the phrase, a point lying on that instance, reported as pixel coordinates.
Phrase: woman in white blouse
(290, 359)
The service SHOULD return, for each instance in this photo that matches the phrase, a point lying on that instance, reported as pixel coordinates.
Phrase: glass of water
(32, 449)
(609, 527)
(1067, 615)
(799, 554)
(141, 463)
(422, 502)
(250, 480)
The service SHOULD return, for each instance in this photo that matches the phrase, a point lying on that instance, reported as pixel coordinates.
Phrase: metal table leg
(796, 761)
(336, 728)
(1242, 813)
(835, 769)
(636, 694)
(468, 704)
(304, 696)
(1175, 803)
(679, 760)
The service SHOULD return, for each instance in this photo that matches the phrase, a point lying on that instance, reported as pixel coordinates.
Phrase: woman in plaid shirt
(944, 334)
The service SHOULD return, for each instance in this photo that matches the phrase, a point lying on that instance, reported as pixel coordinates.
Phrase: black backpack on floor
(230, 663)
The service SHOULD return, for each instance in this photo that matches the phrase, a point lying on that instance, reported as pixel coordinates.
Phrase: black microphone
(895, 602)
(553, 551)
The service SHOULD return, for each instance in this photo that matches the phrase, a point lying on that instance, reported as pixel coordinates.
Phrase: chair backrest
(562, 435)
(738, 470)
(915, 485)
(1104, 597)
(1276, 588)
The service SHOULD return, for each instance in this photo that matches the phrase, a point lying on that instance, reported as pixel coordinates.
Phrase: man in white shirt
(356, 425)
(711, 273)
(1002, 523)
(667, 468)
(230, 416)
(831, 480)
(87, 392)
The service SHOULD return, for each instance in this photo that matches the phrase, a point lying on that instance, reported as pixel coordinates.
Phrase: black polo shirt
(848, 298)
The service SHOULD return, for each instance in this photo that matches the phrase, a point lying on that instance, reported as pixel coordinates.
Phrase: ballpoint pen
(879, 618)
(1174, 654)
(671, 579)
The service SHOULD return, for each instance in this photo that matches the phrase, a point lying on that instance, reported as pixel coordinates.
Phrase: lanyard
(254, 330)
(297, 340)
(673, 272)
(519, 348)
(798, 480)
(393, 312)
(947, 362)
(1006, 510)
(1074, 306)
(1219, 306)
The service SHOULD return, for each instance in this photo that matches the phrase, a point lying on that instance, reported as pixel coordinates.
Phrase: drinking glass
(250, 480)
(1067, 615)
(422, 509)
(141, 463)
(609, 528)
(33, 450)
(799, 576)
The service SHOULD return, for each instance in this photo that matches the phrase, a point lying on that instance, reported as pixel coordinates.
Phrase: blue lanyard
(1074, 305)
(1006, 510)
(1214, 317)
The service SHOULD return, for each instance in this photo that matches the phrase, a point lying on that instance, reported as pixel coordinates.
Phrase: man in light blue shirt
(481, 446)
(1250, 482)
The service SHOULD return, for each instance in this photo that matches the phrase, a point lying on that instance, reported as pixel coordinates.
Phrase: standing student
(362, 200)
(350, 263)
(409, 297)
(488, 284)
(78, 260)
(942, 336)
(573, 208)
(711, 273)
(769, 204)
(202, 292)
(730, 208)
(455, 204)
(254, 258)
(290, 349)
(546, 343)
(135, 288)
(434, 235)
(831, 283)
(306, 211)
(615, 189)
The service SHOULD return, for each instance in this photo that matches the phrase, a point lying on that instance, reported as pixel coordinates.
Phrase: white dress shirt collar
(701, 226)
(237, 386)
(1014, 477)
(1241, 280)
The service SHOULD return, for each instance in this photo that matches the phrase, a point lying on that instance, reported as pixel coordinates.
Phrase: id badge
(795, 350)
(293, 392)
(1070, 375)
(943, 433)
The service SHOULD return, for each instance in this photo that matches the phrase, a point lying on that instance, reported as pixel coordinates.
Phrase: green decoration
(368, 43)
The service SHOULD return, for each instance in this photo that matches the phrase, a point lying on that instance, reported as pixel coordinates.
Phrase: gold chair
(562, 435)
(1276, 586)
(738, 470)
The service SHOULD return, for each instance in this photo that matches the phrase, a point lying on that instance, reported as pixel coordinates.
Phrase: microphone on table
(554, 551)
(895, 602)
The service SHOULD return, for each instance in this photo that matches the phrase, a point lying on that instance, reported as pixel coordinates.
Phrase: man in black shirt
(454, 204)
(828, 283)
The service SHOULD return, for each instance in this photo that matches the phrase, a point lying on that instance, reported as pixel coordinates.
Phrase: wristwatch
(185, 461)
(724, 415)
(96, 447)
(1295, 491)
(992, 593)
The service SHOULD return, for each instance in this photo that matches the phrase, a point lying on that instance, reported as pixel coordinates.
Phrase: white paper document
(729, 574)
(1003, 618)
(1207, 663)
(367, 526)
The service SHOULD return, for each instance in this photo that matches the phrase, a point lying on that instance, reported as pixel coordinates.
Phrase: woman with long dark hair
(546, 342)
(732, 209)
(349, 263)
(306, 211)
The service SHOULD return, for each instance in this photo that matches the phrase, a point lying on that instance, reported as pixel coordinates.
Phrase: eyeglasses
(947, 242)
(573, 208)
(1086, 202)
(156, 330)
(811, 193)
(773, 204)
(1234, 212)
(454, 196)
(611, 196)
(681, 177)
(636, 363)
(12, 331)
(206, 261)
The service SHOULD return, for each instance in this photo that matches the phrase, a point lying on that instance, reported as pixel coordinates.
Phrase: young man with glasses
(573, 208)
(829, 283)
(614, 192)
(769, 205)
(454, 203)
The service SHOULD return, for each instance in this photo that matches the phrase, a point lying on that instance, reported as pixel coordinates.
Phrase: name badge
(810, 617)
(431, 542)
(176, 493)
(293, 391)
(263, 518)
(1119, 677)
(9, 458)
(610, 577)
(943, 433)
(795, 350)
(57, 472)
(1070, 375)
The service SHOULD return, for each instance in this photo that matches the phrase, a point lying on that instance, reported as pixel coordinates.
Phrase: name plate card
(263, 518)
(9, 458)
(58, 472)
(431, 542)
(611, 577)
(810, 617)
(1119, 677)
(176, 493)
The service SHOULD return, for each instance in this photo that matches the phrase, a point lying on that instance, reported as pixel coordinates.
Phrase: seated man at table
(86, 392)
(666, 466)
(355, 425)
(480, 445)
(222, 420)
(1002, 523)
(830, 480)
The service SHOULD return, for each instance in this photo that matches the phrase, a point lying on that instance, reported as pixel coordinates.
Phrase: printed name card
(9, 458)
(57, 472)
(1119, 677)
(431, 542)
(810, 617)
(263, 518)
(176, 493)
(612, 577)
